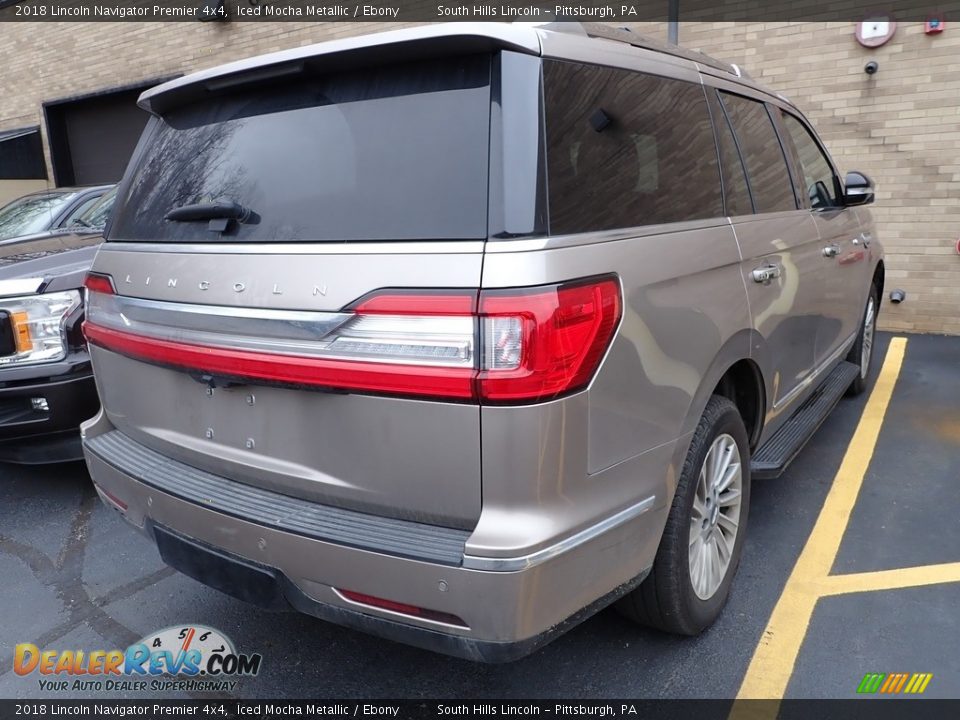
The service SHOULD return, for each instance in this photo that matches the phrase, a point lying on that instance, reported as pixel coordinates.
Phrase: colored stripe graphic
(871, 682)
(894, 683)
(918, 683)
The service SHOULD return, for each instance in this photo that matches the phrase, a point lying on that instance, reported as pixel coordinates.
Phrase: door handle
(832, 250)
(765, 273)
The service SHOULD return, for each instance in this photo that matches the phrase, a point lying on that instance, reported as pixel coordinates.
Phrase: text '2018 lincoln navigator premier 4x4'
(456, 334)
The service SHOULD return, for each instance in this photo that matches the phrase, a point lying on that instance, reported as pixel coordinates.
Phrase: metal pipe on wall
(673, 22)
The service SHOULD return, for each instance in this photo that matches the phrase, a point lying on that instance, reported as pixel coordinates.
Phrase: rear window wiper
(220, 214)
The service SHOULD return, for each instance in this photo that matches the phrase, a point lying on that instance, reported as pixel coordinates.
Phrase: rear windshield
(396, 153)
(31, 214)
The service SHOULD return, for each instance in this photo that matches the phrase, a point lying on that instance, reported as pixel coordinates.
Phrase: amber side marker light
(21, 331)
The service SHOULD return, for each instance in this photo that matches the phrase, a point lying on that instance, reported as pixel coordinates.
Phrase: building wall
(900, 126)
(12, 189)
(52, 60)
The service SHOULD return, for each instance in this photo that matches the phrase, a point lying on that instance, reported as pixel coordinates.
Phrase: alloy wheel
(866, 350)
(715, 517)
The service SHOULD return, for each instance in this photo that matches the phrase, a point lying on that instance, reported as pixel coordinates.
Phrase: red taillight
(95, 282)
(545, 342)
(418, 303)
(498, 346)
(402, 608)
(298, 370)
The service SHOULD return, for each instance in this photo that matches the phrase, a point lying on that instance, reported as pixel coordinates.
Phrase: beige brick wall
(12, 189)
(901, 127)
(51, 61)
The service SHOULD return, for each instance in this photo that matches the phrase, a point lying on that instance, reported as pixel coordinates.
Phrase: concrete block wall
(901, 126)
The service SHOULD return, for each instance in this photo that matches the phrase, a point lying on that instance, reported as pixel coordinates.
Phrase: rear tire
(703, 538)
(861, 354)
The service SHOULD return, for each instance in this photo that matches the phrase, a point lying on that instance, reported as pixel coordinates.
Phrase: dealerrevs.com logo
(184, 658)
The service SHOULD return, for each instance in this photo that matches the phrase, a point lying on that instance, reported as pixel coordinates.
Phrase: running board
(773, 457)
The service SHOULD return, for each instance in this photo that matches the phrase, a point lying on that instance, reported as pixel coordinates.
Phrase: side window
(819, 182)
(760, 147)
(626, 149)
(71, 220)
(736, 193)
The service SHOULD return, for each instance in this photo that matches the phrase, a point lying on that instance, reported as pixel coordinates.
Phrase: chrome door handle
(833, 250)
(765, 273)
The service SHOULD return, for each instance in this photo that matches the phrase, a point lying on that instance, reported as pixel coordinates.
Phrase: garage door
(92, 138)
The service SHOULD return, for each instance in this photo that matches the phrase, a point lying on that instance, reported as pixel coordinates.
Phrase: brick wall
(900, 126)
(52, 60)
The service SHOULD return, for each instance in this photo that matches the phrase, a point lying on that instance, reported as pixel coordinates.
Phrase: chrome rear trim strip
(200, 324)
(513, 564)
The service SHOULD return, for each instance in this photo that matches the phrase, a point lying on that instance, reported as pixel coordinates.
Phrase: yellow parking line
(773, 660)
(890, 579)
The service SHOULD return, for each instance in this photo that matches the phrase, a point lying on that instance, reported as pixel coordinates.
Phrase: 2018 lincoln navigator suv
(456, 334)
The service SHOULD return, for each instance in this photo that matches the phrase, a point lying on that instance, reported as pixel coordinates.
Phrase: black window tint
(819, 182)
(626, 149)
(394, 153)
(735, 191)
(760, 147)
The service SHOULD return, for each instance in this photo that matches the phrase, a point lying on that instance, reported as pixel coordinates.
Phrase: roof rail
(626, 35)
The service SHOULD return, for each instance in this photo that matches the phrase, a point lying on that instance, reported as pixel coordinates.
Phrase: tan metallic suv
(457, 334)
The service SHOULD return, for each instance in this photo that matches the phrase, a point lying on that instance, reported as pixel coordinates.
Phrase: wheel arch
(879, 277)
(736, 373)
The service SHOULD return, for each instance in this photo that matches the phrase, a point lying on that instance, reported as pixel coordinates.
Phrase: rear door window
(397, 153)
(759, 145)
(626, 149)
(736, 192)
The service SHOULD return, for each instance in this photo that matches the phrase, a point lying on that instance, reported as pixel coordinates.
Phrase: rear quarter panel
(684, 321)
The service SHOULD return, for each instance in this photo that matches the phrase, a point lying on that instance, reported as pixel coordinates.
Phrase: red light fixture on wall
(934, 25)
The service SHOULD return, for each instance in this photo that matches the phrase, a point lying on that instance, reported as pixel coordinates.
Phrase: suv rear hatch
(286, 298)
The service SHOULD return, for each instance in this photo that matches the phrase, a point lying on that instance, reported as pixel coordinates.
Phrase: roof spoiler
(393, 46)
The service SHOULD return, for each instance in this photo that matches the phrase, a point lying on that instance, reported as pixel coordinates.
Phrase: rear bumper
(505, 614)
(34, 436)
(271, 589)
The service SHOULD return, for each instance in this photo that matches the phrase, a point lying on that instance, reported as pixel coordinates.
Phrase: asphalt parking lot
(875, 590)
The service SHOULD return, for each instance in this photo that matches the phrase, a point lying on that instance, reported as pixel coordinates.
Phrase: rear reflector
(493, 346)
(112, 499)
(402, 608)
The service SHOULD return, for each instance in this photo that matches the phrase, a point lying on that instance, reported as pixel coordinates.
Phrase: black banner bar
(456, 10)
(854, 709)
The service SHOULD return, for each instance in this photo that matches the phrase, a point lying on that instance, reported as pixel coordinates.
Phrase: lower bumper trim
(270, 588)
